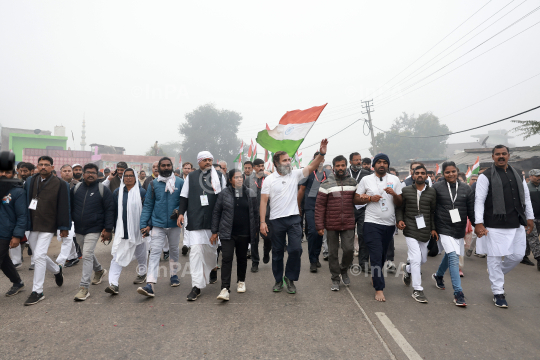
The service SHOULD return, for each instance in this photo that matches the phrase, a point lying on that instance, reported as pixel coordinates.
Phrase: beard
(165, 173)
(356, 167)
(340, 173)
(77, 176)
(284, 169)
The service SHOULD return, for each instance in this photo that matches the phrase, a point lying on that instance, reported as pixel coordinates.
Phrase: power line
(462, 131)
(519, 33)
(328, 137)
(450, 33)
(477, 46)
(412, 75)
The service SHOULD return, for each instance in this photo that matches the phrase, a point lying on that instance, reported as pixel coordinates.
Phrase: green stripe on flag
(273, 145)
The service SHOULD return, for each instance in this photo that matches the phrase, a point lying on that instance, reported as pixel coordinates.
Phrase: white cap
(75, 165)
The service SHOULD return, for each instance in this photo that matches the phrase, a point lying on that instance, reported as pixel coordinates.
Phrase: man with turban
(198, 198)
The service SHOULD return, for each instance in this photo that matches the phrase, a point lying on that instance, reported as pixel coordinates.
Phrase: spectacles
(129, 176)
(90, 172)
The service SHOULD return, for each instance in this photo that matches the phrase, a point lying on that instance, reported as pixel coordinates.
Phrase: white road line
(373, 327)
(398, 338)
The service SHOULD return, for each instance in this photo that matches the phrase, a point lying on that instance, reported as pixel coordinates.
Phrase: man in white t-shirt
(281, 189)
(381, 191)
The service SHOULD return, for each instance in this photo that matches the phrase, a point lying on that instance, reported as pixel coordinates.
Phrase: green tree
(527, 128)
(400, 148)
(211, 129)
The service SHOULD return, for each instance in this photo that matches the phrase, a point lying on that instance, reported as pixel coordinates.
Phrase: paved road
(314, 323)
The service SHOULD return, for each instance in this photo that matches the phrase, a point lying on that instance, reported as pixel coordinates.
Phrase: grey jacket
(223, 215)
(409, 209)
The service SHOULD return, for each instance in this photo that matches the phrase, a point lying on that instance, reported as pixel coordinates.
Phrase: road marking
(372, 326)
(398, 338)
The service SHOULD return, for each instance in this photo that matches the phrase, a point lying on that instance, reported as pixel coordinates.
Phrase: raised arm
(318, 159)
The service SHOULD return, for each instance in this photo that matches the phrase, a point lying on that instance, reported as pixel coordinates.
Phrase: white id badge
(420, 223)
(33, 204)
(454, 215)
(204, 200)
(384, 206)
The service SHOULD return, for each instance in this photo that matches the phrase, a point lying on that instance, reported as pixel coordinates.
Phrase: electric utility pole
(368, 105)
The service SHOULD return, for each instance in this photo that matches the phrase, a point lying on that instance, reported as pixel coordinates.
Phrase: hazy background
(135, 68)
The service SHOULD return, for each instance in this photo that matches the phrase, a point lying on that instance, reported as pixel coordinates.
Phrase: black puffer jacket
(409, 209)
(223, 215)
(464, 203)
(90, 212)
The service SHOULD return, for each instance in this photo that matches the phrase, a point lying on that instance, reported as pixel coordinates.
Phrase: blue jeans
(286, 228)
(314, 239)
(451, 261)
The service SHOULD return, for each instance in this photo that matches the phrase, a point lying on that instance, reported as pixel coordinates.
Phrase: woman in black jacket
(455, 202)
(235, 219)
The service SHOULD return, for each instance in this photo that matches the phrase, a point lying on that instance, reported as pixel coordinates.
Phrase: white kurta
(450, 244)
(499, 242)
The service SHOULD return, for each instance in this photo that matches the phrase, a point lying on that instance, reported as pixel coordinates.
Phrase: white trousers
(165, 247)
(202, 260)
(16, 255)
(417, 254)
(160, 237)
(141, 254)
(498, 267)
(39, 243)
(67, 249)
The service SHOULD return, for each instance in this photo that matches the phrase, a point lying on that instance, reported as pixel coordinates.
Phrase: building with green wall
(18, 142)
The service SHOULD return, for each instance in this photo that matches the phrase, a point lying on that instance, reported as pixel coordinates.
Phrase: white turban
(216, 184)
(204, 155)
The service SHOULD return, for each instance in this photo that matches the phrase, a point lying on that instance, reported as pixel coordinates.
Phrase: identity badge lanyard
(454, 213)
(383, 201)
(420, 222)
(204, 199)
(34, 201)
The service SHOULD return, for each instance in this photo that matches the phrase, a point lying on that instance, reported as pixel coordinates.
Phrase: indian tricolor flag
(291, 130)
(437, 169)
(238, 158)
(476, 167)
(468, 174)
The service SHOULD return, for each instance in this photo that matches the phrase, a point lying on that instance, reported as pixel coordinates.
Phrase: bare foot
(379, 296)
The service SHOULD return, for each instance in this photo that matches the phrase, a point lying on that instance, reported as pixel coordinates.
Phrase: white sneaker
(241, 287)
(390, 266)
(223, 295)
(355, 253)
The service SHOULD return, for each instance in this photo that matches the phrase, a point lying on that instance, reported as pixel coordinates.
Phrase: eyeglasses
(90, 172)
(129, 176)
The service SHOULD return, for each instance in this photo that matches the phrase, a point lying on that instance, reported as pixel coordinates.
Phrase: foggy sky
(135, 68)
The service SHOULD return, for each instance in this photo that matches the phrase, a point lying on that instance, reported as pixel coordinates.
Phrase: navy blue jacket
(13, 214)
(90, 212)
(159, 205)
(124, 207)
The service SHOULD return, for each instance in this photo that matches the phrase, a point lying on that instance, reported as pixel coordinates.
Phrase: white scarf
(125, 248)
(216, 184)
(169, 182)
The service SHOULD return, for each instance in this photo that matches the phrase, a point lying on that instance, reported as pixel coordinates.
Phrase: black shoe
(318, 264)
(459, 299)
(59, 278)
(313, 267)
(500, 301)
(439, 283)
(346, 279)
(266, 258)
(15, 289)
(291, 289)
(406, 275)
(34, 298)
(185, 250)
(335, 285)
(538, 263)
(165, 255)
(249, 254)
(255, 267)
(194, 294)
(71, 262)
(419, 296)
(278, 286)
(527, 261)
(112, 289)
(213, 277)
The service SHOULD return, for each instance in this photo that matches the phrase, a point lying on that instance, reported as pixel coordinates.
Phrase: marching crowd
(350, 203)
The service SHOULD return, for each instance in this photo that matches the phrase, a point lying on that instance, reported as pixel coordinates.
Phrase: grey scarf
(499, 208)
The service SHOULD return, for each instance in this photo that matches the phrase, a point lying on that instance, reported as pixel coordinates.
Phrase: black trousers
(6, 264)
(377, 238)
(363, 252)
(267, 247)
(228, 246)
(286, 229)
